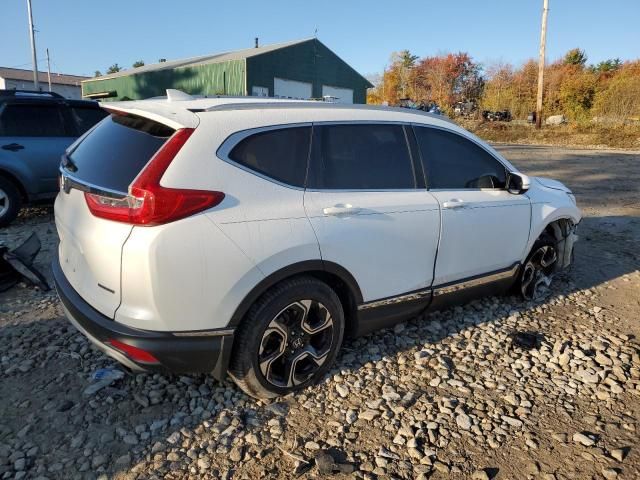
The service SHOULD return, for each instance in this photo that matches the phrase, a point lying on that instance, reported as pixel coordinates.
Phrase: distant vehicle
(498, 116)
(464, 109)
(35, 130)
(249, 236)
(430, 107)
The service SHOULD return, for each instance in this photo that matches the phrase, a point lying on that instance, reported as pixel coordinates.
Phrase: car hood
(551, 183)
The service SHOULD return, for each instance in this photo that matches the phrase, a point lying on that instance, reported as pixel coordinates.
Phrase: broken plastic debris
(102, 378)
(17, 265)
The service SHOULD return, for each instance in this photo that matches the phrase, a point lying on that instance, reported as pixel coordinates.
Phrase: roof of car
(179, 107)
(24, 96)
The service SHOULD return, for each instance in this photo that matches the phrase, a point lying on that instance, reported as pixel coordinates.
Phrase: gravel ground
(452, 395)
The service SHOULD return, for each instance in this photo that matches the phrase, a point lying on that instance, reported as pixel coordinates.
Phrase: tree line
(609, 90)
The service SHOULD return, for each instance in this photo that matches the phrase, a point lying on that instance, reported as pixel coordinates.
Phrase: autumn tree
(447, 79)
(620, 99)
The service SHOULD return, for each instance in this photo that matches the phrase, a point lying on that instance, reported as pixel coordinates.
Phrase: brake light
(148, 203)
(134, 353)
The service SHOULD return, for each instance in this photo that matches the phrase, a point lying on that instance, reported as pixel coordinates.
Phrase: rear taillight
(148, 203)
(134, 353)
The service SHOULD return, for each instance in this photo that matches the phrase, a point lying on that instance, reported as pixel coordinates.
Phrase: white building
(18, 79)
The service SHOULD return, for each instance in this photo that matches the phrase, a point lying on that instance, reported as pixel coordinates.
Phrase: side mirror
(517, 183)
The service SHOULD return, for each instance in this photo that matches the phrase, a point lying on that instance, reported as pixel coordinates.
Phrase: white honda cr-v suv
(249, 236)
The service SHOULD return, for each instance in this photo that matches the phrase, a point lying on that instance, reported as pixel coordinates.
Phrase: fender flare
(299, 268)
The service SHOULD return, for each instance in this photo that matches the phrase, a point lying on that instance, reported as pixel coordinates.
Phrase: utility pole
(543, 44)
(36, 83)
(49, 69)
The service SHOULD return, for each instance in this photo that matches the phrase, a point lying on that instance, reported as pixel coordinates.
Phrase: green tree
(138, 63)
(115, 68)
(162, 60)
(97, 73)
(575, 56)
(606, 66)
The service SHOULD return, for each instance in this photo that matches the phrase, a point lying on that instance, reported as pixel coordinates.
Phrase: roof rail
(17, 93)
(328, 105)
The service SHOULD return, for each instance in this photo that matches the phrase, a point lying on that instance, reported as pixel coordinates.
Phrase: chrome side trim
(205, 333)
(444, 289)
(477, 281)
(407, 297)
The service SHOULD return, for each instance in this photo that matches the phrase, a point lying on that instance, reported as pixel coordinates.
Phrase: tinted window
(452, 161)
(31, 121)
(113, 154)
(280, 154)
(363, 157)
(85, 118)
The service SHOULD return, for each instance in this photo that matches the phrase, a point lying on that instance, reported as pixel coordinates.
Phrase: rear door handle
(14, 147)
(454, 203)
(341, 209)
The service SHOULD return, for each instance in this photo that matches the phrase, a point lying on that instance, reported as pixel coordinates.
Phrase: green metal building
(300, 69)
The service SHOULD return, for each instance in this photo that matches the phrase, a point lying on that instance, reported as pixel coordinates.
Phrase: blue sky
(91, 35)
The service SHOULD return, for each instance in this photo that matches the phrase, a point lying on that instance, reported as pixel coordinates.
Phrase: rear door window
(85, 118)
(361, 157)
(32, 120)
(280, 154)
(453, 162)
(115, 152)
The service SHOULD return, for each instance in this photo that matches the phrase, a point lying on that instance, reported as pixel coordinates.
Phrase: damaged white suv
(249, 236)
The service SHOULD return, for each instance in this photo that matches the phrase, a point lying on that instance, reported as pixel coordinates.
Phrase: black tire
(537, 270)
(10, 202)
(260, 334)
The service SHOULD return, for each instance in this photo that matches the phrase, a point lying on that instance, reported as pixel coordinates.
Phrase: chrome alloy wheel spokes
(536, 275)
(296, 343)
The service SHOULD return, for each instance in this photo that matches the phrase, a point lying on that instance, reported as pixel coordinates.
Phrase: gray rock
(463, 421)
(555, 120)
(583, 439)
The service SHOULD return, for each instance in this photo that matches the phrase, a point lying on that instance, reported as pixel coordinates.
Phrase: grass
(590, 135)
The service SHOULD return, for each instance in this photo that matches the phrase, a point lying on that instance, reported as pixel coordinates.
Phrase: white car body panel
(185, 275)
(89, 251)
(485, 231)
(389, 245)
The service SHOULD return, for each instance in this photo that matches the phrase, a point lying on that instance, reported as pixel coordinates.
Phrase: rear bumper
(177, 352)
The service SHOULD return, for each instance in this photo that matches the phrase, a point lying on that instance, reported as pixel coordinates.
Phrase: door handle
(14, 147)
(454, 203)
(341, 209)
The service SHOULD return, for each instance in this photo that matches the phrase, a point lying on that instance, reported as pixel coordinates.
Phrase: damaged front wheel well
(563, 231)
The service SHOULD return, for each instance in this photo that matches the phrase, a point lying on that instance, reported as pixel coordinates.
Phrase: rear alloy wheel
(9, 202)
(289, 339)
(538, 270)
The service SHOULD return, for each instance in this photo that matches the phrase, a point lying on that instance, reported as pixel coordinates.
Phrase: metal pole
(36, 83)
(49, 69)
(543, 41)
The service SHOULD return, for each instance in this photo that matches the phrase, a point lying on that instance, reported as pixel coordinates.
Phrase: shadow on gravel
(45, 365)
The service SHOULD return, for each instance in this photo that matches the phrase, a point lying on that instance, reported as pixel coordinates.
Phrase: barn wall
(225, 78)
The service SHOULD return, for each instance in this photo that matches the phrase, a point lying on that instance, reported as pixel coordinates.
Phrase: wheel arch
(16, 182)
(334, 275)
(562, 229)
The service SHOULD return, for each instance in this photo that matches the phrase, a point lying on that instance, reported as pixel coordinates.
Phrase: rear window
(85, 118)
(115, 152)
